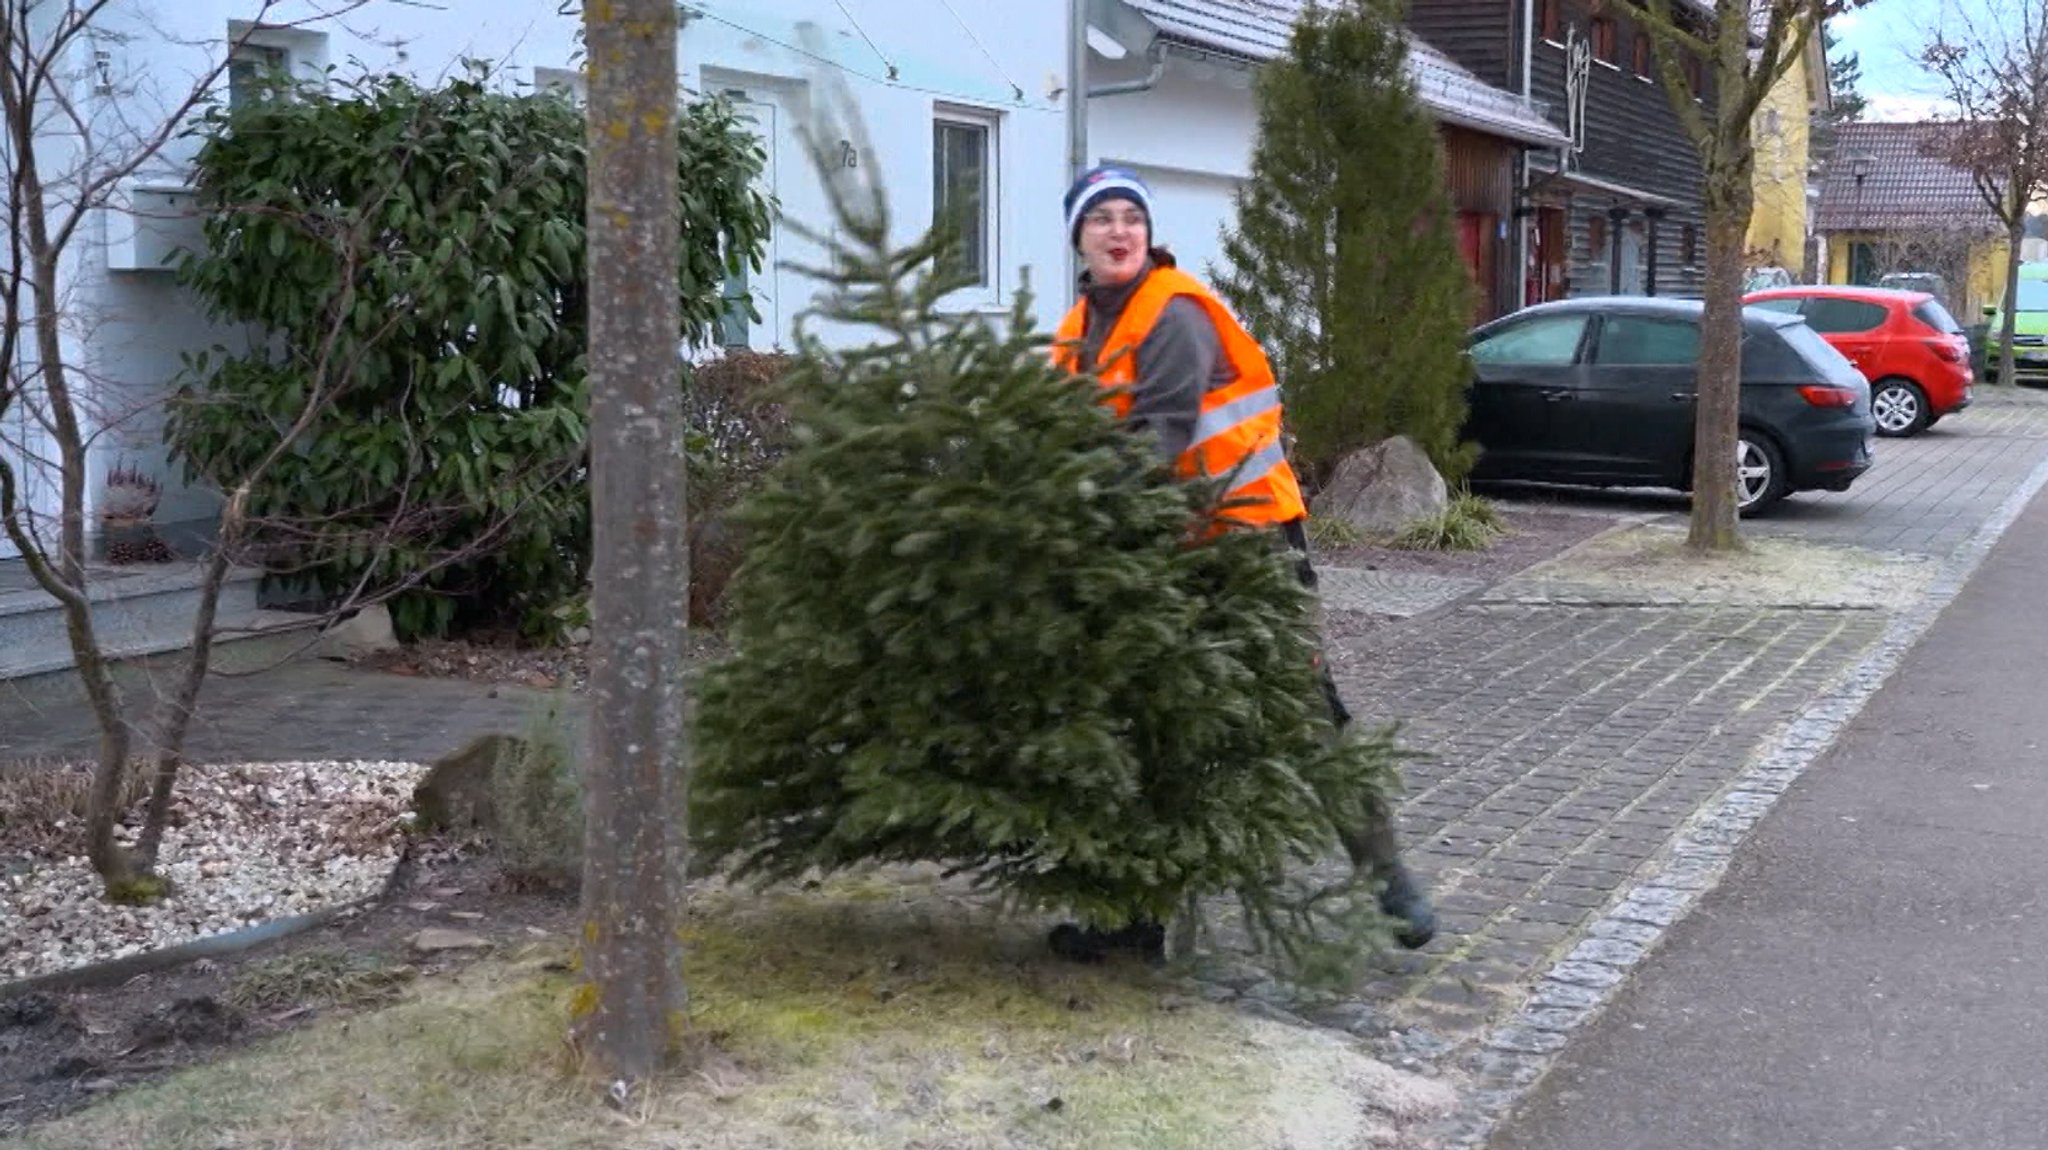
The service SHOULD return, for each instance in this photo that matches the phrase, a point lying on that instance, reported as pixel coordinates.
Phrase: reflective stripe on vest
(1221, 419)
(1238, 430)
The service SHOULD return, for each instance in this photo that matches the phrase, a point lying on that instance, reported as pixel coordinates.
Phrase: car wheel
(1900, 408)
(1759, 473)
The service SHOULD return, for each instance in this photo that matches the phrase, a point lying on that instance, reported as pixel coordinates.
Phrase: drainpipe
(1077, 89)
(1157, 56)
(1077, 122)
(1523, 223)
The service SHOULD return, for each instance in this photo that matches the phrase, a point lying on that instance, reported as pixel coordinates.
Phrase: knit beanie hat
(1100, 184)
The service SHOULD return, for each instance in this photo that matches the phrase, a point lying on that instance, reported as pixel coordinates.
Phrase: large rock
(368, 632)
(1385, 487)
(520, 793)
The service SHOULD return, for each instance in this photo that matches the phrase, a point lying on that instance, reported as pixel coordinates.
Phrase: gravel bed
(246, 843)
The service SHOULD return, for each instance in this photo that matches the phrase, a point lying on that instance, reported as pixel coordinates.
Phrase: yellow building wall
(1987, 278)
(1987, 272)
(1777, 230)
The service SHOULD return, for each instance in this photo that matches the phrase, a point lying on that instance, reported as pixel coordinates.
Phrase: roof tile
(1905, 186)
(1258, 30)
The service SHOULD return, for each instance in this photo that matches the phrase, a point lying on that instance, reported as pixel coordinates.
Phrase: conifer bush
(1342, 260)
(978, 624)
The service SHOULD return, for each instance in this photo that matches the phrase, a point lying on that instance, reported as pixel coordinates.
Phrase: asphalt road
(1873, 972)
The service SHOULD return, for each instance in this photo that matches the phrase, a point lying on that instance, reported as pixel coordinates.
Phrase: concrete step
(139, 610)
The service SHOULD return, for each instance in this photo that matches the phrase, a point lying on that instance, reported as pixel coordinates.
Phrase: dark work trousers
(1372, 845)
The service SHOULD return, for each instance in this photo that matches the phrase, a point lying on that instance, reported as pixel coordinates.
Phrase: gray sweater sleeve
(1176, 362)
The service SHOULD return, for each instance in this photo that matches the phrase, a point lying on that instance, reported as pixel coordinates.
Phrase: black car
(1603, 391)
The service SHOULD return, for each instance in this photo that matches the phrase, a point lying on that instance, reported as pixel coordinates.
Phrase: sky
(1886, 34)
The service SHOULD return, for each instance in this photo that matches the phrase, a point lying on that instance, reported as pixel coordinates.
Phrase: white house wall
(1190, 136)
(995, 61)
(128, 327)
(905, 63)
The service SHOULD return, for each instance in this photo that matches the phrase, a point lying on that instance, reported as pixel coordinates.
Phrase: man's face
(1115, 237)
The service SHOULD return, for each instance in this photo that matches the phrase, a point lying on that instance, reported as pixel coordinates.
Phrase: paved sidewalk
(1867, 976)
(1567, 746)
(1571, 745)
(1928, 493)
(306, 709)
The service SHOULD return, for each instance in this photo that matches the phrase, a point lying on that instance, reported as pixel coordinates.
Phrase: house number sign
(1578, 76)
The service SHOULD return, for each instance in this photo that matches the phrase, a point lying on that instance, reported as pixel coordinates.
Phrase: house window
(1642, 55)
(736, 321)
(964, 191)
(1695, 77)
(1603, 40)
(252, 68)
(1549, 18)
(1689, 245)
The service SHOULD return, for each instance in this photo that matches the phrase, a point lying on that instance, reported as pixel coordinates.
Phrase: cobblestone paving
(1566, 747)
(1928, 493)
(1399, 594)
(307, 709)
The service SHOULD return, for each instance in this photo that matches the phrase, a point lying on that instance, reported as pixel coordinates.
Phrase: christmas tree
(1343, 263)
(979, 624)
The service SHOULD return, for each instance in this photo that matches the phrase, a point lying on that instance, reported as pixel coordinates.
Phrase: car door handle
(1556, 395)
(1685, 396)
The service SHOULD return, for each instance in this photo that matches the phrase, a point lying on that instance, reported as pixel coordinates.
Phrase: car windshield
(2033, 295)
(1931, 313)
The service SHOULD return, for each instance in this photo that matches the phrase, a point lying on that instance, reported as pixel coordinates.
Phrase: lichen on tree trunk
(636, 765)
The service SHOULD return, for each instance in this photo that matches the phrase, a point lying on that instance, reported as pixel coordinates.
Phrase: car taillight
(1950, 350)
(1820, 396)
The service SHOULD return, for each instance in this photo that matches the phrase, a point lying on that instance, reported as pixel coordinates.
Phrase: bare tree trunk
(1728, 207)
(94, 672)
(177, 719)
(637, 761)
(2016, 238)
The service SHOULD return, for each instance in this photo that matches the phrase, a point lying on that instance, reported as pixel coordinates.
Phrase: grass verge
(851, 1018)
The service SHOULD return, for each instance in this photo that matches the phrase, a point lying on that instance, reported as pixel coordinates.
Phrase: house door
(1544, 277)
(1476, 241)
(1631, 265)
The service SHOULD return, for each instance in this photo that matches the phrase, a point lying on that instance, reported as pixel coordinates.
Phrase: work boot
(1146, 940)
(1403, 898)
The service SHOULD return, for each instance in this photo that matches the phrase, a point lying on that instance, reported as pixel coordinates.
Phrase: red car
(1905, 343)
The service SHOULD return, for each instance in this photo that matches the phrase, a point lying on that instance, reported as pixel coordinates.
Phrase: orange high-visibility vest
(1238, 431)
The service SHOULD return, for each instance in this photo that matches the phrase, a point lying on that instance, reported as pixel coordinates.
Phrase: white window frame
(300, 52)
(989, 291)
(264, 58)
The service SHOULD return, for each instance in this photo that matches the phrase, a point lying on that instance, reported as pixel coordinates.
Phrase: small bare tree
(44, 110)
(639, 605)
(1992, 60)
(1746, 48)
(65, 151)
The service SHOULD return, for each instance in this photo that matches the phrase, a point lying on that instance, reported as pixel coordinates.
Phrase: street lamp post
(1860, 166)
